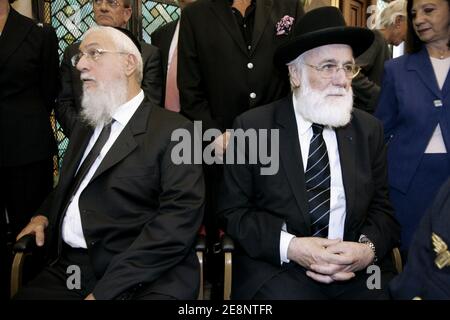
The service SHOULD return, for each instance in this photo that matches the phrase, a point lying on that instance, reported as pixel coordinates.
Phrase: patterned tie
(172, 101)
(317, 177)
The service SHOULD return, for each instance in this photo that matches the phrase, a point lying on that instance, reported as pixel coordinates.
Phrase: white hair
(298, 64)
(123, 44)
(389, 14)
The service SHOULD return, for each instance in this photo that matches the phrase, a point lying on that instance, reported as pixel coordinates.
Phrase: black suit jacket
(69, 98)
(140, 212)
(215, 77)
(254, 207)
(28, 87)
(367, 84)
(162, 38)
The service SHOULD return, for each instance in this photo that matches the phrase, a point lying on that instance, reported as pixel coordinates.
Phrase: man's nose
(82, 64)
(339, 78)
(104, 7)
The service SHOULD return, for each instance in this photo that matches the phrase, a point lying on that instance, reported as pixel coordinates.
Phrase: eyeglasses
(92, 54)
(111, 3)
(328, 70)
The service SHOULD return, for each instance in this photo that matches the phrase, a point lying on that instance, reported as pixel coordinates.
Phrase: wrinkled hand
(220, 144)
(37, 227)
(313, 251)
(358, 256)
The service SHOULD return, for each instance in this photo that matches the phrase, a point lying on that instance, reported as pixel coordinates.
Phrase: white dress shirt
(72, 231)
(337, 192)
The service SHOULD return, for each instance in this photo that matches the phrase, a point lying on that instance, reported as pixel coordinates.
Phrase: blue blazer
(410, 106)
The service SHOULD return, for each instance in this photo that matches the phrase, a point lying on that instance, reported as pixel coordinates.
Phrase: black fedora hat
(319, 27)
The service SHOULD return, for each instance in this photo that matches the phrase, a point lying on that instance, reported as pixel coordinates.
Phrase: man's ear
(294, 76)
(398, 21)
(131, 64)
(127, 12)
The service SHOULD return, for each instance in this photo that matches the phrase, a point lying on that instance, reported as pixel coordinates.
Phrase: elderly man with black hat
(310, 230)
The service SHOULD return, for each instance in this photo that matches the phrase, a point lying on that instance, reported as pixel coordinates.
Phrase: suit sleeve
(50, 68)
(193, 99)
(365, 89)
(387, 109)
(166, 240)
(255, 230)
(66, 111)
(367, 92)
(380, 226)
(152, 78)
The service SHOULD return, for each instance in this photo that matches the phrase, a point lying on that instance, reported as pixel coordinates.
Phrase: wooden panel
(355, 11)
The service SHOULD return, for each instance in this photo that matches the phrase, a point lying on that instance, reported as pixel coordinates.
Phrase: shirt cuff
(285, 239)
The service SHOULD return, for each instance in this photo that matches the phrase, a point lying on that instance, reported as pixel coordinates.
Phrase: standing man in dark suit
(310, 229)
(166, 39)
(123, 211)
(28, 88)
(225, 68)
(114, 13)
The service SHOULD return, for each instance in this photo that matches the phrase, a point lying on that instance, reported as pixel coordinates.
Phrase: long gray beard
(315, 107)
(99, 106)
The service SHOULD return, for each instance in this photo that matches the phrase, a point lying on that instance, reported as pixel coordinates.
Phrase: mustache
(335, 91)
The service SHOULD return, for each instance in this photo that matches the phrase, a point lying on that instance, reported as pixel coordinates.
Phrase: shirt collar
(126, 111)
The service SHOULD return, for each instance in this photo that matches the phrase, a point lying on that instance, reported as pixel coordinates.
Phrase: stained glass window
(154, 15)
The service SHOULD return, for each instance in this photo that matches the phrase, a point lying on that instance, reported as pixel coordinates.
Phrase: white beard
(316, 107)
(100, 104)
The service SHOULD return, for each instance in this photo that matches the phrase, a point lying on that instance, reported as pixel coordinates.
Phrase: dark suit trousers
(52, 282)
(294, 284)
(22, 191)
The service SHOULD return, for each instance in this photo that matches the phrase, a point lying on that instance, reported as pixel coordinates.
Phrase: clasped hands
(326, 260)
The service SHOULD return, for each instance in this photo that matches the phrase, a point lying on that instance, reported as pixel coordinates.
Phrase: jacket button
(93, 243)
(250, 65)
(253, 95)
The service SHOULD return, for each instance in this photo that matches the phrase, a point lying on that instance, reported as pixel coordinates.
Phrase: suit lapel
(290, 154)
(347, 157)
(14, 32)
(126, 142)
(222, 10)
(421, 64)
(263, 9)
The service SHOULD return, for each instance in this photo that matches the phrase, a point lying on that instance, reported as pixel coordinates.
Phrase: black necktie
(90, 158)
(317, 177)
